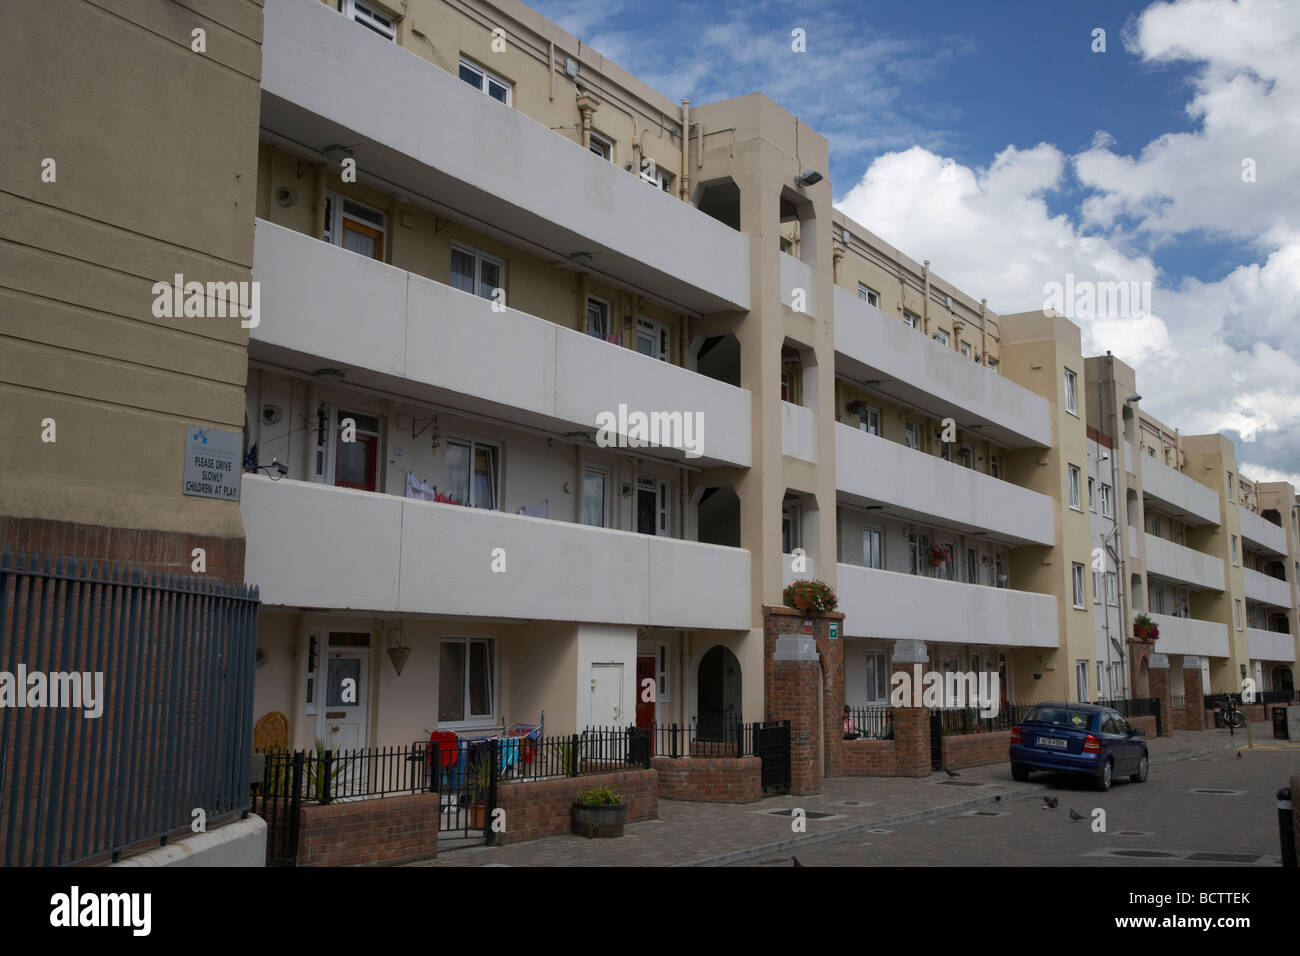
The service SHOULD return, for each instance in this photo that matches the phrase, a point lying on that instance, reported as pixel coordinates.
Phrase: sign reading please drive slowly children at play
(212, 460)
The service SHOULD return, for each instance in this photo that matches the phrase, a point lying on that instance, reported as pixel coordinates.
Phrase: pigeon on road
(951, 773)
(1076, 816)
(795, 861)
(1049, 803)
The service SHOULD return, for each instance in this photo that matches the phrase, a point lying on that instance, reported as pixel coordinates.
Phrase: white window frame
(1079, 596)
(1081, 679)
(608, 315)
(966, 455)
(972, 566)
(1105, 500)
(792, 518)
(661, 333)
(1112, 588)
(606, 151)
(1096, 589)
(472, 720)
(604, 504)
(329, 454)
(911, 319)
(912, 435)
(1234, 550)
(335, 213)
(865, 417)
(472, 444)
(1230, 486)
(663, 503)
(868, 294)
(663, 686)
(480, 257)
(941, 337)
(486, 76)
(993, 365)
(1092, 495)
(1071, 393)
(879, 534)
(1074, 488)
(1236, 612)
(369, 17)
(995, 466)
(964, 348)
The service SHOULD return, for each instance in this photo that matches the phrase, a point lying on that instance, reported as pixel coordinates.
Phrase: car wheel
(1106, 775)
(1019, 772)
(1143, 767)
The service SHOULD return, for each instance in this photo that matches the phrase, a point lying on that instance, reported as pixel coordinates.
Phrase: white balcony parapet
(1270, 645)
(797, 279)
(872, 346)
(798, 432)
(1262, 534)
(874, 470)
(893, 606)
(323, 305)
(416, 125)
(1179, 563)
(1187, 635)
(313, 545)
(1265, 589)
(1188, 499)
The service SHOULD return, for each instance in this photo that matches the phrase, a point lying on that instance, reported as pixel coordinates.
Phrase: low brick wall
(868, 758)
(976, 750)
(544, 807)
(710, 779)
(386, 830)
(1146, 723)
(1190, 719)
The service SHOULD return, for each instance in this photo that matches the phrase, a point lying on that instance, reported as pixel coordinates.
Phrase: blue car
(1078, 738)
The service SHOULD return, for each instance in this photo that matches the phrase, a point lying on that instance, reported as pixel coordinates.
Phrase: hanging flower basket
(810, 595)
(1144, 629)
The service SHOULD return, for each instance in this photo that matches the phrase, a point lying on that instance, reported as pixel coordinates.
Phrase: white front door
(606, 694)
(652, 338)
(344, 718)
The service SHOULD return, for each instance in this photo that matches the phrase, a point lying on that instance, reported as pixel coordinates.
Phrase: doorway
(718, 694)
(343, 723)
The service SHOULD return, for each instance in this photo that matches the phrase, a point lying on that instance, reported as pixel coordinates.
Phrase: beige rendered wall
(152, 179)
(1036, 349)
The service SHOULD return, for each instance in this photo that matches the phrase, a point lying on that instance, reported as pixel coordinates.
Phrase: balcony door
(652, 506)
(652, 338)
(352, 459)
(343, 723)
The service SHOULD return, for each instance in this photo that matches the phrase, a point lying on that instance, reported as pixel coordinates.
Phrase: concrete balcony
(903, 364)
(870, 470)
(893, 606)
(1270, 645)
(1185, 565)
(1260, 534)
(312, 545)
(796, 275)
(443, 143)
(1186, 635)
(1132, 541)
(393, 330)
(798, 432)
(1266, 590)
(1183, 497)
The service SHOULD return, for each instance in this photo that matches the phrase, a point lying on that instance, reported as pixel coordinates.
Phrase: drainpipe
(984, 332)
(550, 62)
(686, 150)
(925, 302)
(836, 257)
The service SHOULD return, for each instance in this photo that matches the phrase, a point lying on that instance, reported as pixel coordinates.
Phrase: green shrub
(600, 797)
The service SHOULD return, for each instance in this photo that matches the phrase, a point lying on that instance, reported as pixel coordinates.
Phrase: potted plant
(599, 813)
(478, 778)
(938, 555)
(810, 595)
(1144, 629)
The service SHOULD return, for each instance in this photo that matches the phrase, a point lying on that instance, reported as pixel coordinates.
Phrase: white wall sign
(212, 462)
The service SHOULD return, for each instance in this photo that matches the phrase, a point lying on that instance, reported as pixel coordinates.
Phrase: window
(475, 272)
(1153, 525)
(1105, 499)
(995, 466)
(368, 16)
(594, 483)
(1092, 495)
(1229, 486)
(941, 337)
(965, 349)
(966, 456)
(873, 548)
(354, 226)
(945, 451)
(1112, 582)
(597, 318)
(913, 554)
(1236, 612)
(1096, 592)
(1078, 585)
(473, 473)
(652, 502)
(911, 320)
(790, 525)
(1071, 393)
(1074, 487)
(1081, 679)
(948, 570)
(787, 246)
(868, 295)
(1234, 550)
(601, 146)
(877, 678)
(869, 420)
(661, 672)
(972, 566)
(911, 435)
(492, 85)
(356, 462)
(1151, 452)
(652, 338)
(1000, 578)
(466, 680)
(993, 365)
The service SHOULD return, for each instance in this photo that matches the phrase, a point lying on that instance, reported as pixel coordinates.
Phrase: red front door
(645, 709)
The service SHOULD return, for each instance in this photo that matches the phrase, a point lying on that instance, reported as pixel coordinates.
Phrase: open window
(474, 473)
(355, 226)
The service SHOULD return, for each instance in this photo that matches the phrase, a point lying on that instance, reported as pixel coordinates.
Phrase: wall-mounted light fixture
(809, 177)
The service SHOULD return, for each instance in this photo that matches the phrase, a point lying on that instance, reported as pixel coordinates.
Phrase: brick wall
(151, 550)
(1160, 690)
(1194, 700)
(868, 758)
(387, 830)
(795, 690)
(1146, 723)
(544, 807)
(976, 750)
(710, 779)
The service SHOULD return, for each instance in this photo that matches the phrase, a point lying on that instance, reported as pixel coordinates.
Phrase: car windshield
(1060, 717)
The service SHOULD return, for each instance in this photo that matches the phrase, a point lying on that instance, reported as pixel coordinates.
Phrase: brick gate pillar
(803, 682)
(1158, 669)
(1193, 694)
(911, 724)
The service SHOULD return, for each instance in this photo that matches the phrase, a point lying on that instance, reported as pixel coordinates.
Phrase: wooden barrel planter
(599, 821)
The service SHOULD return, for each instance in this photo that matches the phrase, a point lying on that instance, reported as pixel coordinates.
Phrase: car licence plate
(1052, 742)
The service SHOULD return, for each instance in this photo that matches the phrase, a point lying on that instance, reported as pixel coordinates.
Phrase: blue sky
(1123, 165)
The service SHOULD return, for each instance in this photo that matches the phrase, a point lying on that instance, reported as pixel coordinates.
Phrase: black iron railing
(161, 667)
(1179, 702)
(956, 721)
(874, 723)
(1135, 707)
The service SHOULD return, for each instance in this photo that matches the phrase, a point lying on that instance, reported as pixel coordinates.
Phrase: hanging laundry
(415, 488)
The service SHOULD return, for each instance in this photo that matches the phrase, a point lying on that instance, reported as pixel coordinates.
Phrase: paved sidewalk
(708, 834)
